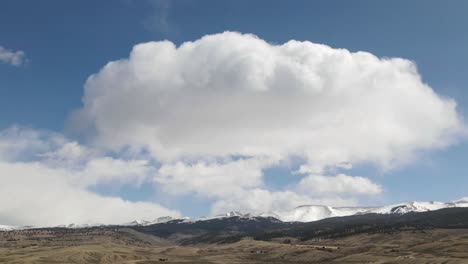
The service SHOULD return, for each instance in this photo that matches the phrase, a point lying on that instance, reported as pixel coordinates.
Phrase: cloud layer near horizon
(45, 180)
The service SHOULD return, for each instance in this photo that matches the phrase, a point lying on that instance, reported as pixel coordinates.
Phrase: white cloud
(339, 184)
(231, 94)
(19, 143)
(33, 194)
(198, 107)
(110, 170)
(46, 179)
(238, 185)
(15, 58)
(211, 179)
(50, 187)
(260, 201)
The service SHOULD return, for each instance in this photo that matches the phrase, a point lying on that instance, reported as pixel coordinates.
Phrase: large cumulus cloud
(233, 94)
(217, 111)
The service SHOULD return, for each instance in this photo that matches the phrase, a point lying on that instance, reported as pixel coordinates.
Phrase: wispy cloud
(15, 58)
(159, 19)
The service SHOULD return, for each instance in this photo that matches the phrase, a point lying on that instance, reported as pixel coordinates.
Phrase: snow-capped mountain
(158, 220)
(10, 228)
(7, 228)
(308, 213)
(304, 213)
(226, 215)
(77, 226)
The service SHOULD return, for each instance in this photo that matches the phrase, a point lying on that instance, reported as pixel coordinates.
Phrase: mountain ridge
(302, 213)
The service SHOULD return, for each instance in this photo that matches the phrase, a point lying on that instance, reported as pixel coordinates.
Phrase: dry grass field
(128, 246)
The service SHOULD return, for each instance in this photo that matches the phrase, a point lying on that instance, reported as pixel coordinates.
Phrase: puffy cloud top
(233, 94)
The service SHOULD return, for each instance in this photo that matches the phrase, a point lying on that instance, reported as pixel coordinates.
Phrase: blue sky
(67, 41)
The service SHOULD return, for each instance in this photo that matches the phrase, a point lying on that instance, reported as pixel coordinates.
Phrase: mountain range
(304, 213)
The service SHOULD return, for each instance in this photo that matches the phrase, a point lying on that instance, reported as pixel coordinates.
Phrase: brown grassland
(123, 245)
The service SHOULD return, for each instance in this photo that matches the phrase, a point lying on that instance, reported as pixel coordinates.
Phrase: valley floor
(128, 246)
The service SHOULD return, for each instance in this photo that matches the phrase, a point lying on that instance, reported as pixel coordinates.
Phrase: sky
(112, 111)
